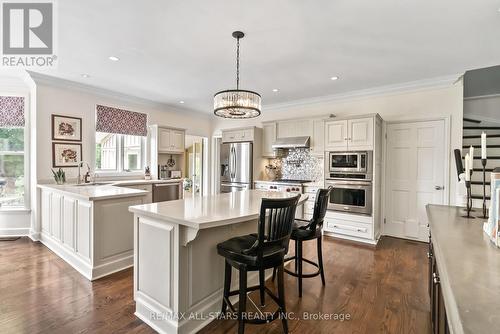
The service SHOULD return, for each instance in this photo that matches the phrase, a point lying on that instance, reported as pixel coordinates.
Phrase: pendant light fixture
(237, 103)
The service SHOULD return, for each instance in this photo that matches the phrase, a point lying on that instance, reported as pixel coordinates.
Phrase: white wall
(53, 99)
(410, 105)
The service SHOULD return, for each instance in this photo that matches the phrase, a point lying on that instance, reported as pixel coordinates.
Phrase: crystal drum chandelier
(237, 103)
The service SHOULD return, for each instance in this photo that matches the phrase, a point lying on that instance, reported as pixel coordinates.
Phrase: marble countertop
(136, 182)
(94, 192)
(210, 211)
(469, 270)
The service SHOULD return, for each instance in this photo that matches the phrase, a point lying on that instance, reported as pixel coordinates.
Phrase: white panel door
(415, 172)
(336, 135)
(360, 134)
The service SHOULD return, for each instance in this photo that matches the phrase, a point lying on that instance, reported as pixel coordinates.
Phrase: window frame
(120, 159)
(26, 207)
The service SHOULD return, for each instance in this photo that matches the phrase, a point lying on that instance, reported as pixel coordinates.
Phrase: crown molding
(406, 87)
(40, 78)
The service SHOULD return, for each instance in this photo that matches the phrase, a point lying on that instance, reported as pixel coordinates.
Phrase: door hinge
(386, 135)
(385, 221)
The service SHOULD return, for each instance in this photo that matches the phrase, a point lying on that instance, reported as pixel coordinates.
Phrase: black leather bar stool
(304, 230)
(258, 252)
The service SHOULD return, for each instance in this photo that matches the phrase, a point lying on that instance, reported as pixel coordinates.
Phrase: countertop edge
(133, 193)
(452, 312)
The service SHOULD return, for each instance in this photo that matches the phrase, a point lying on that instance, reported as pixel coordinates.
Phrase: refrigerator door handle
(234, 162)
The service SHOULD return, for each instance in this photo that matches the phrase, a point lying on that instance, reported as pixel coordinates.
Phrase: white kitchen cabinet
(336, 135)
(163, 139)
(268, 138)
(318, 137)
(360, 133)
(350, 226)
(294, 128)
(238, 135)
(94, 236)
(350, 135)
(170, 140)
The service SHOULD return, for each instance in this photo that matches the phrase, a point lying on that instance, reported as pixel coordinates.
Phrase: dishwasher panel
(166, 192)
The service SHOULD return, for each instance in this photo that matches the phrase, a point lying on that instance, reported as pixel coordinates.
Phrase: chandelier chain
(238, 63)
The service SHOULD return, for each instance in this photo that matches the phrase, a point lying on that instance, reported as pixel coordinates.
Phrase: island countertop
(469, 270)
(213, 210)
(94, 192)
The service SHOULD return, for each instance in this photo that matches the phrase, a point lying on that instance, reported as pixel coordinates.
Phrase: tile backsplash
(299, 164)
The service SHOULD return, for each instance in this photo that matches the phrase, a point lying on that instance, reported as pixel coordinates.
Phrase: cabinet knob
(439, 187)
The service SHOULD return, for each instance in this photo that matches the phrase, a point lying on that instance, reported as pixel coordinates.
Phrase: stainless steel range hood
(291, 142)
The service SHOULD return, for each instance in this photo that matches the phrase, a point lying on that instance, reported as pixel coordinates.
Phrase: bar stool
(304, 230)
(258, 252)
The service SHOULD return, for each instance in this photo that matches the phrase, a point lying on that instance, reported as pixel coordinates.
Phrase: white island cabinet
(178, 275)
(89, 226)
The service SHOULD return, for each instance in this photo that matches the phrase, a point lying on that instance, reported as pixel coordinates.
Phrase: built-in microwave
(350, 196)
(350, 162)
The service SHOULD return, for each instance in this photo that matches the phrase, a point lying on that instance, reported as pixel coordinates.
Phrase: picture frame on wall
(66, 128)
(66, 154)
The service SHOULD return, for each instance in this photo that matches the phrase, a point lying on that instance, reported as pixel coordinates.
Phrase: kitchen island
(88, 226)
(178, 275)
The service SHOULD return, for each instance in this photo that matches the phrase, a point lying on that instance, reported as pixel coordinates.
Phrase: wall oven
(350, 196)
(350, 162)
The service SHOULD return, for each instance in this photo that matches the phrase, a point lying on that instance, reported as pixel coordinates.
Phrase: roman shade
(120, 121)
(11, 111)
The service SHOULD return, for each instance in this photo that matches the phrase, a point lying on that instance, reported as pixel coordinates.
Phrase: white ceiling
(183, 50)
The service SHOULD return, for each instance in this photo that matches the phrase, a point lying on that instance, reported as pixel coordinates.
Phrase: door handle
(439, 187)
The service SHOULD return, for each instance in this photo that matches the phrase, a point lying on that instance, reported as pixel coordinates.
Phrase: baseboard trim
(15, 232)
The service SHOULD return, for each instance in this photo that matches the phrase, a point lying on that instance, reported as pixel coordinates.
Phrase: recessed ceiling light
(334, 78)
(113, 58)
(181, 102)
(276, 90)
(85, 75)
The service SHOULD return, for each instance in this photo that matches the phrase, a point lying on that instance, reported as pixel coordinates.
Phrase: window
(119, 153)
(12, 152)
(120, 140)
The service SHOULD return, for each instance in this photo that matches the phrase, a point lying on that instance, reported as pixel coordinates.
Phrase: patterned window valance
(125, 122)
(11, 111)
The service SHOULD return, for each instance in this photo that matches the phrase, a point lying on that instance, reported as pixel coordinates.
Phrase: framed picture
(66, 154)
(66, 128)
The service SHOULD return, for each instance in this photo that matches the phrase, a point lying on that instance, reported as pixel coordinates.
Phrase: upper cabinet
(314, 128)
(294, 128)
(238, 135)
(318, 137)
(268, 138)
(170, 140)
(349, 135)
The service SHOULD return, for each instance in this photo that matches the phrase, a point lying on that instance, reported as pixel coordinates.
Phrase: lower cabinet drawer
(354, 229)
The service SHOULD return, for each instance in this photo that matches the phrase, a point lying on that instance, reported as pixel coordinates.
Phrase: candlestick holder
(483, 162)
(469, 200)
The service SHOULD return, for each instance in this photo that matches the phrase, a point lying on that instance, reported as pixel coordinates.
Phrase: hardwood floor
(382, 290)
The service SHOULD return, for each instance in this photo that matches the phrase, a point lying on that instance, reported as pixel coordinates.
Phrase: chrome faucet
(87, 175)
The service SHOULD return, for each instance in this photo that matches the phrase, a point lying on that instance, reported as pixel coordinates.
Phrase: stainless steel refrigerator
(236, 167)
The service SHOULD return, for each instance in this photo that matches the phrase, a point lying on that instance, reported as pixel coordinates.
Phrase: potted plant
(59, 176)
